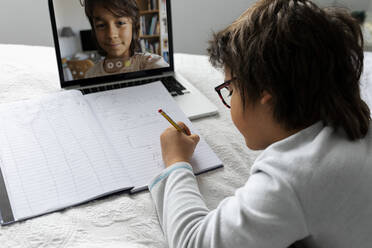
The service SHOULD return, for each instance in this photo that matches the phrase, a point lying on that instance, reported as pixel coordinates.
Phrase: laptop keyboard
(172, 85)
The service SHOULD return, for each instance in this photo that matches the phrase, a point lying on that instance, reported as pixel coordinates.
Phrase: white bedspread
(125, 220)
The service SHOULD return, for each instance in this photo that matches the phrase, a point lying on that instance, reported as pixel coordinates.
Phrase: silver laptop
(111, 44)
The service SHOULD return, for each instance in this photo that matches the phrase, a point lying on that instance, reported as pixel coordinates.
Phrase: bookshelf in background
(153, 31)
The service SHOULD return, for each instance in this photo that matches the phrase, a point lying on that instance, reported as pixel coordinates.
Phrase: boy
(292, 70)
(116, 25)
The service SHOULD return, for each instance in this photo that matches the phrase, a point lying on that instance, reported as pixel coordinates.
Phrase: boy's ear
(265, 98)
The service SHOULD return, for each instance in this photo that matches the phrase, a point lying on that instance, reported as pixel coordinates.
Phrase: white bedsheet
(126, 220)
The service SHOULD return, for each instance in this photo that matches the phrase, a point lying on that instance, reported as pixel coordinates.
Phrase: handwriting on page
(54, 154)
(133, 126)
(131, 120)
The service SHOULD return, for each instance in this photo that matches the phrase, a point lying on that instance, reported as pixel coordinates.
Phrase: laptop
(96, 52)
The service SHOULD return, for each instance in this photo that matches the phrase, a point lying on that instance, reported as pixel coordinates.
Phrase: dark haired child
(116, 25)
(293, 73)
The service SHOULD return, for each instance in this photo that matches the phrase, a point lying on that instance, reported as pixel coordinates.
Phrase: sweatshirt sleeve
(263, 213)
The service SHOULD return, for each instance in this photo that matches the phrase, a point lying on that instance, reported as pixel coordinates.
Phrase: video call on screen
(104, 41)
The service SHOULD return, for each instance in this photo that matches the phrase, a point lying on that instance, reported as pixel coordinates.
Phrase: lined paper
(54, 154)
(131, 120)
(65, 149)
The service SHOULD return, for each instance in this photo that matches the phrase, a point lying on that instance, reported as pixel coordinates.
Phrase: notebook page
(54, 154)
(131, 120)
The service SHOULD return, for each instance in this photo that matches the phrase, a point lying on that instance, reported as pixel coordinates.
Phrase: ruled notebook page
(131, 120)
(54, 154)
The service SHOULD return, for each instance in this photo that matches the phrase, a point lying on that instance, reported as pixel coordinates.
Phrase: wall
(194, 20)
(27, 21)
(72, 16)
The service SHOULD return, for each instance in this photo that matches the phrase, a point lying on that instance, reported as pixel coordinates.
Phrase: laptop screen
(100, 41)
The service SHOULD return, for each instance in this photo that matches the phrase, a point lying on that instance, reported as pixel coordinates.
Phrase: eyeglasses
(225, 92)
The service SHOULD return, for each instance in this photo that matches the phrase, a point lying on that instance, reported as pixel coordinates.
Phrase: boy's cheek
(237, 115)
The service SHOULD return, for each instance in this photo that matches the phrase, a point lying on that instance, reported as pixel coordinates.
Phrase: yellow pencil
(171, 121)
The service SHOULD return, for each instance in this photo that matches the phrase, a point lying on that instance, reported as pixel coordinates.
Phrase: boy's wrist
(166, 172)
(173, 161)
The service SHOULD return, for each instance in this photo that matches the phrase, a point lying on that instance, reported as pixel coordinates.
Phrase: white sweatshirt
(315, 186)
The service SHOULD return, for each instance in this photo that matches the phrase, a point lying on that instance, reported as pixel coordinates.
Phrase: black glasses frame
(220, 87)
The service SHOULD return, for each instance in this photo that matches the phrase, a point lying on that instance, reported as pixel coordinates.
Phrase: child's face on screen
(113, 33)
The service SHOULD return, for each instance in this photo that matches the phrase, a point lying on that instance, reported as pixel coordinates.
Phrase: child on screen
(293, 71)
(116, 27)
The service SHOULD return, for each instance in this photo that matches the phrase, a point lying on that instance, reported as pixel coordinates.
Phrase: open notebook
(67, 148)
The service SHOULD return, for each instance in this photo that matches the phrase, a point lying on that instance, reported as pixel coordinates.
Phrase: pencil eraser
(160, 110)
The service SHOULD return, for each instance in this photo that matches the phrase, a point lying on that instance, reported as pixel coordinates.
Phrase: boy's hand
(177, 146)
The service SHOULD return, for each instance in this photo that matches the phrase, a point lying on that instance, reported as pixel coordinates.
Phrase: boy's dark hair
(309, 59)
(127, 8)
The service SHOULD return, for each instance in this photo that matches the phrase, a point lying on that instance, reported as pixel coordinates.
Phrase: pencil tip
(160, 110)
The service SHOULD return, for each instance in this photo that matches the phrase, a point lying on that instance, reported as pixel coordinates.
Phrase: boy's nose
(112, 32)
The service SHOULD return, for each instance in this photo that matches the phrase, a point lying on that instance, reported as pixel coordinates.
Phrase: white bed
(126, 220)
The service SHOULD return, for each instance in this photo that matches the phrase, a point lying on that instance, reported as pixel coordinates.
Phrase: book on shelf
(157, 29)
(150, 46)
(143, 45)
(67, 148)
(166, 56)
(149, 26)
(154, 4)
(153, 24)
(143, 30)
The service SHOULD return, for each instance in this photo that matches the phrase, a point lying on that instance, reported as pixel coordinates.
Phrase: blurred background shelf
(367, 32)
(154, 30)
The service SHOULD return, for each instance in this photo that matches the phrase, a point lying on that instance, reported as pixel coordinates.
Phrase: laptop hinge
(164, 74)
